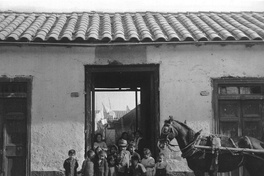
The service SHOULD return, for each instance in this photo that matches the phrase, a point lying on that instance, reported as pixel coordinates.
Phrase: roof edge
(197, 43)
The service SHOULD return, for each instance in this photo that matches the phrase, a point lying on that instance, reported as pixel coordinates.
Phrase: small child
(71, 164)
(97, 151)
(161, 165)
(88, 164)
(112, 165)
(131, 148)
(101, 165)
(113, 150)
(123, 158)
(148, 162)
(137, 169)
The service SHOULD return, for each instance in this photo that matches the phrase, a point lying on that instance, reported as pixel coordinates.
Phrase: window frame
(217, 82)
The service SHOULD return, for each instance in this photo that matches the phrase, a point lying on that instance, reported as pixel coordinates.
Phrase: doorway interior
(134, 89)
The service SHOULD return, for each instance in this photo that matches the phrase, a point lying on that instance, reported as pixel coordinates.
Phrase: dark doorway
(143, 80)
(15, 98)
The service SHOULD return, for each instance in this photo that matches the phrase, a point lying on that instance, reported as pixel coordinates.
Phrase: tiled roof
(96, 27)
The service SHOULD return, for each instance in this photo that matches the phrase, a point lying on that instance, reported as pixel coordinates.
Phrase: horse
(212, 160)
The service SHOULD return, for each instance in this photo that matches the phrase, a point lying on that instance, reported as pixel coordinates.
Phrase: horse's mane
(190, 134)
(183, 124)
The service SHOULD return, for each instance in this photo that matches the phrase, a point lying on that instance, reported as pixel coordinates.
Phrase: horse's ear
(185, 122)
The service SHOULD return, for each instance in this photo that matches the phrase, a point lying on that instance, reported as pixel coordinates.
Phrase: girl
(98, 142)
(148, 162)
(161, 165)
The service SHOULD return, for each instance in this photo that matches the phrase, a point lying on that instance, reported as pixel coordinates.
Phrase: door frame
(28, 80)
(153, 69)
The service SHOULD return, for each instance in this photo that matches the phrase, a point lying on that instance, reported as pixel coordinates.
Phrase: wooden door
(229, 117)
(13, 117)
(240, 117)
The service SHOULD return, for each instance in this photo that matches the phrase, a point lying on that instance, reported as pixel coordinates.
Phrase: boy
(71, 164)
(123, 159)
(137, 169)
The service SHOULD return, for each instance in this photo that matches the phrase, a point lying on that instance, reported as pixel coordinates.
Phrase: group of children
(119, 161)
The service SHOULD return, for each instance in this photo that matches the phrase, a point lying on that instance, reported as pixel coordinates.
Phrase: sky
(115, 100)
(131, 5)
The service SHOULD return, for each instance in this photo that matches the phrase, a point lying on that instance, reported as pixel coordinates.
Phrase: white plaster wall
(57, 118)
(186, 70)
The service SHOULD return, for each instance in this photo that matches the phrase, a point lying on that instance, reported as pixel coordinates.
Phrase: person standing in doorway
(139, 143)
(101, 165)
(149, 162)
(123, 159)
(98, 142)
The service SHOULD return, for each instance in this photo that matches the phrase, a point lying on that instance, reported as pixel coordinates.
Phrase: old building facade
(206, 69)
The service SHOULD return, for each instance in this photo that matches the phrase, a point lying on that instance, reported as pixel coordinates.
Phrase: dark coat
(70, 166)
(141, 146)
(87, 168)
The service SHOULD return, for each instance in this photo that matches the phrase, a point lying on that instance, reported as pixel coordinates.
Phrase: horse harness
(190, 150)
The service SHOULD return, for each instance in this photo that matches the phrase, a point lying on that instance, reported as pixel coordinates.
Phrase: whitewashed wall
(58, 118)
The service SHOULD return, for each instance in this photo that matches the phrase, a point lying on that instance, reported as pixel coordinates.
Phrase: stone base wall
(181, 174)
(58, 173)
(47, 173)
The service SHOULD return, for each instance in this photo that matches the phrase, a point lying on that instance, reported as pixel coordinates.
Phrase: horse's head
(175, 129)
(167, 133)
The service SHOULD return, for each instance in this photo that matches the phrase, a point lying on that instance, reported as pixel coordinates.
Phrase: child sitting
(71, 164)
(101, 165)
(161, 165)
(137, 169)
(148, 162)
(88, 164)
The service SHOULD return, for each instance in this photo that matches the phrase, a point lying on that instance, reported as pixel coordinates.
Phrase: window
(239, 107)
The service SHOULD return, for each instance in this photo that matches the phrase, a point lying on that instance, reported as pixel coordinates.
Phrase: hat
(122, 143)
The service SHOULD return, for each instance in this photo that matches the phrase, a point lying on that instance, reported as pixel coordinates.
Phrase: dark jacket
(70, 166)
(141, 146)
(87, 168)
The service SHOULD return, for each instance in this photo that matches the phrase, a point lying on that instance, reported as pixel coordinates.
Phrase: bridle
(167, 130)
